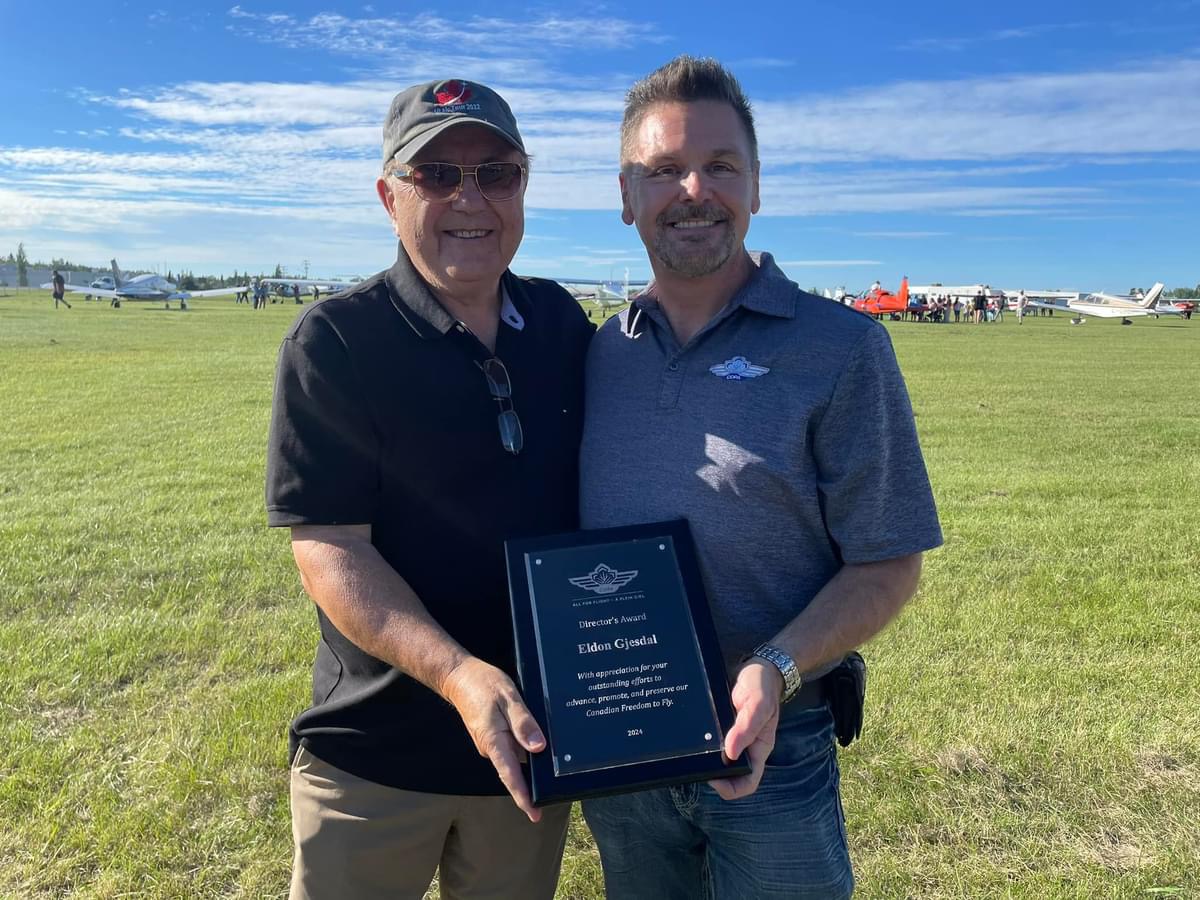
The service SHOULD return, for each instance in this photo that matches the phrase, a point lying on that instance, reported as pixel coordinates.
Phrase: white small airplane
(604, 294)
(1110, 306)
(283, 285)
(144, 287)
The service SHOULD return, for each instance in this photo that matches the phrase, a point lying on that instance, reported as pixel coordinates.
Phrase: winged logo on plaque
(604, 579)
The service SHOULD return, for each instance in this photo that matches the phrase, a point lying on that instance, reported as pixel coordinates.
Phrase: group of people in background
(978, 309)
(258, 293)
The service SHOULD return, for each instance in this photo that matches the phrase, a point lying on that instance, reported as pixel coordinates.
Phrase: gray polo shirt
(782, 432)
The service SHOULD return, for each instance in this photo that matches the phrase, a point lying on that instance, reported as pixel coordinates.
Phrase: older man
(777, 424)
(420, 419)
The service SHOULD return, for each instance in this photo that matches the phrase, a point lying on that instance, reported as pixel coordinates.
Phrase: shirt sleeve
(874, 490)
(323, 449)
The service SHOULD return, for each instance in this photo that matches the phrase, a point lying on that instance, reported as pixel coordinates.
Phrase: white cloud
(490, 36)
(287, 155)
(1154, 109)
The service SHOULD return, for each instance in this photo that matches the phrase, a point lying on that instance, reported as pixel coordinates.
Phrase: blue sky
(1022, 144)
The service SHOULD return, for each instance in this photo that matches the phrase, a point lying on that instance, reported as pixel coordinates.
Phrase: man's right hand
(498, 721)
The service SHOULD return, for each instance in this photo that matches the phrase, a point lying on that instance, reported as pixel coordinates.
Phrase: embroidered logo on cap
(738, 369)
(604, 579)
(453, 97)
(450, 93)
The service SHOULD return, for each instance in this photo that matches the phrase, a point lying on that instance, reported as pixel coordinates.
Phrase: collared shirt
(383, 416)
(782, 431)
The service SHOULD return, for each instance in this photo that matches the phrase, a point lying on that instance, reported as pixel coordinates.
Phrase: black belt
(811, 693)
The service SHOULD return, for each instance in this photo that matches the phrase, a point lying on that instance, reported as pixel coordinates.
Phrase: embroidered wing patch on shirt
(737, 369)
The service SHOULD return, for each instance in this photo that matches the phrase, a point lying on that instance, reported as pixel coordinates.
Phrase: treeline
(187, 281)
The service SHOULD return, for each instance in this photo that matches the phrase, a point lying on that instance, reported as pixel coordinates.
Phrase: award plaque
(618, 661)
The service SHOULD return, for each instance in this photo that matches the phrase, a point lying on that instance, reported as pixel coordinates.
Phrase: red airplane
(879, 302)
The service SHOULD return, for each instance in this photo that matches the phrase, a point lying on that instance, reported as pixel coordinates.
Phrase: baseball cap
(423, 111)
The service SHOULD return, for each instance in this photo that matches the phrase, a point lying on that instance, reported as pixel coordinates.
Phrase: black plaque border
(547, 787)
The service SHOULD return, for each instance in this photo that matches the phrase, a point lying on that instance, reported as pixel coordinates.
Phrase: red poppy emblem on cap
(450, 93)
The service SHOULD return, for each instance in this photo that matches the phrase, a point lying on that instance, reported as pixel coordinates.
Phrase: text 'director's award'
(618, 661)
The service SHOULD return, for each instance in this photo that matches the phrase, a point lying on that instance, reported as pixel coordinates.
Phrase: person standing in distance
(421, 418)
(58, 287)
(779, 426)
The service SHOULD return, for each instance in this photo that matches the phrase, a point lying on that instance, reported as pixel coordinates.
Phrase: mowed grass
(1032, 724)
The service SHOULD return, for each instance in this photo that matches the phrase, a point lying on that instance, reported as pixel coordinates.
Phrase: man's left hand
(755, 697)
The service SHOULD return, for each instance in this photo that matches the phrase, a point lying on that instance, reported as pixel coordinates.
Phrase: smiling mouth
(469, 234)
(691, 224)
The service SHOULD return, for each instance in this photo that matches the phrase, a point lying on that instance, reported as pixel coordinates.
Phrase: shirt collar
(767, 291)
(415, 302)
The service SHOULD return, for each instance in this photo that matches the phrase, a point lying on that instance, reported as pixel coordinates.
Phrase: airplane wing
(1109, 312)
(331, 284)
(1046, 304)
(591, 282)
(1089, 309)
(83, 289)
(215, 292)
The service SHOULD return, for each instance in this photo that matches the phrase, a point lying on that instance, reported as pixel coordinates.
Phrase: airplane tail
(1151, 298)
(903, 295)
(116, 274)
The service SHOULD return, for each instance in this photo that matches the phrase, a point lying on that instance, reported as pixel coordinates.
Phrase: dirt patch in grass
(964, 761)
(1161, 769)
(1117, 850)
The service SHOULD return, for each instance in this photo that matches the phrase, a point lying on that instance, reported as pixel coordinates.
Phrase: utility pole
(306, 269)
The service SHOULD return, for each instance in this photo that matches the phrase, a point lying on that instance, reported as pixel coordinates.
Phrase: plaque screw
(567, 758)
(537, 562)
(662, 546)
(708, 735)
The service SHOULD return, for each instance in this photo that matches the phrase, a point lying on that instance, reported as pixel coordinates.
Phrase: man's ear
(626, 209)
(384, 190)
(754, 201)
(387, 197)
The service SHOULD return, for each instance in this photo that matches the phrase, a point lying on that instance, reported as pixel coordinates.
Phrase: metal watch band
(786, 666)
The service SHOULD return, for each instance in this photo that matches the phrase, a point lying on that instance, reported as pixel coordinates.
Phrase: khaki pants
(357, 840)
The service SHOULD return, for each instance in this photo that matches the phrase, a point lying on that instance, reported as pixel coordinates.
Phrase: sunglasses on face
(438, 182)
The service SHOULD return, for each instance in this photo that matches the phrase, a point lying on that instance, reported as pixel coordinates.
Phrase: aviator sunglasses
(511, 436)
(438, 182)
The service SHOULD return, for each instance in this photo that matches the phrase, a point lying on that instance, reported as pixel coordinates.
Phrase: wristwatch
(786, 666)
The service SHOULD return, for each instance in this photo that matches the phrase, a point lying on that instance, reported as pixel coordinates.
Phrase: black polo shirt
(382, 416)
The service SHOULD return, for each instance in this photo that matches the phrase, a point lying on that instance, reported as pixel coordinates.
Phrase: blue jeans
(787, 839)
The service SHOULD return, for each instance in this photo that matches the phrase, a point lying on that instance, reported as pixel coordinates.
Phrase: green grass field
(1033, 722)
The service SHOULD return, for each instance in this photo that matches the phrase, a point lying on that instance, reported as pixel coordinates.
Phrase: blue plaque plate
(618, 661)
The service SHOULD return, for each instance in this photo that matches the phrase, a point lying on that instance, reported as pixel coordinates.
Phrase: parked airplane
(1181, 306)
(1112, 306)
(145, 287)
(1051, 299)
(603, 293)
(283, 286)
(880, 302)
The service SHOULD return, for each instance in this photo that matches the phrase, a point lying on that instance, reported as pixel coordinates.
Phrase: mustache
(682, 211)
